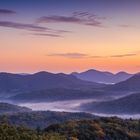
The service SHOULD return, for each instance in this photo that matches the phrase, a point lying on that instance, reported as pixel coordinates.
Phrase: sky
(69, 35)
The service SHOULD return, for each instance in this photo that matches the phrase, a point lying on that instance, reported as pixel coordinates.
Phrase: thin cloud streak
(83, 18)
(69, 55)
(75, 55)
(124, 55)
(7, 12)
(82, 55)
(16, 25)
(117, 56)
(32, 27)
(98, 56)
(45, 34)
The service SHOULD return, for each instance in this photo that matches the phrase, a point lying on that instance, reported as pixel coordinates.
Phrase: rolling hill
(10, 108)
(43, 119)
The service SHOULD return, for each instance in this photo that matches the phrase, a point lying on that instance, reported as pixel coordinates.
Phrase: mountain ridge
(16, 83)
(131, 84)
(102, 76)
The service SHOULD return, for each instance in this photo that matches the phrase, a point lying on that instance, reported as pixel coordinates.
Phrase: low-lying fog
(71, 106)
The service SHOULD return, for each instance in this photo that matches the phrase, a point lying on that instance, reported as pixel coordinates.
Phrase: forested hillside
(42, 119)
(97, 129)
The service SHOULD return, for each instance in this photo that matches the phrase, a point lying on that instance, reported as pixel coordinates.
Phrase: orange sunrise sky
(69, 36)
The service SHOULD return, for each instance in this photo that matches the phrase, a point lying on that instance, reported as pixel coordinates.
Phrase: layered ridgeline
(40, 84)
(100, 92)
(128, 104)
(131, 84)
(44, 86)
(18, 83)
(11, 84)
(47, 87)
(101, 76)
(59, 94)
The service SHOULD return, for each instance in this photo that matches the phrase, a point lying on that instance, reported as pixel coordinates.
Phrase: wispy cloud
(69, 55)
(45, 34)
(88, 15)
(75, 55)
(16, 25)
(124, 55)
(36, 29)
(43, 31)
(97, 56)
(117, 55)
(88, 56)
(83, 18)
(6, 11)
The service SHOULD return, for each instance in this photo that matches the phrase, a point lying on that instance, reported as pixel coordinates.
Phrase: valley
(72, 94)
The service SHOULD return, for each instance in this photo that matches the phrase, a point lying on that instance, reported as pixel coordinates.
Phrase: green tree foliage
(93, 129)
(8, 132)
(98, 129)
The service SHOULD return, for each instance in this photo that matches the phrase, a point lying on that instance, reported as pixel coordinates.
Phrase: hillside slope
(125, 105)
(10, 108)
(131, 84)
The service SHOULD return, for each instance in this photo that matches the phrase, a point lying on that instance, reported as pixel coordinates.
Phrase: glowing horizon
(76, 35)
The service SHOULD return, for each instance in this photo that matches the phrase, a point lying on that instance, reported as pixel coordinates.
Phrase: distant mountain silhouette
(131, 84)
(102, 77)
(125, 105)
(16, 83)
(56, 94)
(10, 108)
